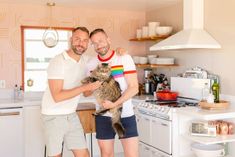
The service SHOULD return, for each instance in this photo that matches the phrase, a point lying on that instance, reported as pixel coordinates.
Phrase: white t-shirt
(65, 68)
(120, 65)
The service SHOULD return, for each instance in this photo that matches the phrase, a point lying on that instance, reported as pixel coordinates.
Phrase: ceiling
(133, 5)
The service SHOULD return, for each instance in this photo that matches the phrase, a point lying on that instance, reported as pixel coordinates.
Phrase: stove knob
(159, 108)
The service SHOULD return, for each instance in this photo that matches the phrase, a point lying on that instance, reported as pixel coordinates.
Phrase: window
(36, 56)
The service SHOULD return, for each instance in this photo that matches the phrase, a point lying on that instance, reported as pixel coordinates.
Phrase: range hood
(193, 34)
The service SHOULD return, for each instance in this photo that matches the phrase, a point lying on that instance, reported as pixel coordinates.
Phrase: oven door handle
(163, 124)
(146, 119)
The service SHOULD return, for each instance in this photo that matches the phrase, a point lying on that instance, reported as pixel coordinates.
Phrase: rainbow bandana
(117, 71)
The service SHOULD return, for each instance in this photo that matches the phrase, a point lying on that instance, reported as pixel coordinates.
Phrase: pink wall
(121, 25)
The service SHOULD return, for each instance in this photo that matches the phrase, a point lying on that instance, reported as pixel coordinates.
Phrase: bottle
(21, 93)
(147, 87)
(210, 98)
(16, 92)
(205, 92)
(215, 90)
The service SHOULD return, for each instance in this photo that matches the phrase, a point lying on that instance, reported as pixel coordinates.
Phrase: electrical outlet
(2, 83)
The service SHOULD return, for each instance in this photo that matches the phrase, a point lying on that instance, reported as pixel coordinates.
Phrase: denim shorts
(104, 128)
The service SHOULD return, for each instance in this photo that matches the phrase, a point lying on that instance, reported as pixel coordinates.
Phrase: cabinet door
(144, 128)
(144, 150)
(161, 134)
(11, 132)
(34, 138)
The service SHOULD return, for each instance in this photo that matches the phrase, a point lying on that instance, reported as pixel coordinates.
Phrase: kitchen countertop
(85, 106)
(88, 101)
(30, 101)
(197, 112)
(142, 97)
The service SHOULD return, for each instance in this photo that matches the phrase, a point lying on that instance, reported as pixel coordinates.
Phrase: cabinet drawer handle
(146, 119)
(9, 113)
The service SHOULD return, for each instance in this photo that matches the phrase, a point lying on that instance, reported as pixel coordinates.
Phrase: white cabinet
(33, 132)
(11, 132)
(165, 127)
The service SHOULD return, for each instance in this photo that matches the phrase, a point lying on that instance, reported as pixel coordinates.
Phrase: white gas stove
(155, 118)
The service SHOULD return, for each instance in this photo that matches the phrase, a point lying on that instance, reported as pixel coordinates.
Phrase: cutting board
(214, 106)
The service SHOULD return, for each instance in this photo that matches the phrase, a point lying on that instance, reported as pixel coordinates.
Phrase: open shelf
(155, 65)
(150, 38)
(210, 140)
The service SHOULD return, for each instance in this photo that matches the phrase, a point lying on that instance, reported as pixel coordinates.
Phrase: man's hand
(92, 86)
(121, 51)
(108, 104)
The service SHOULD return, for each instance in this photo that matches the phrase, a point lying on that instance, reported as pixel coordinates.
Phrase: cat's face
(102, 72)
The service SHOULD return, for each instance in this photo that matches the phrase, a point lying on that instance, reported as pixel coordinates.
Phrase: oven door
(161, 135)
(144, 127)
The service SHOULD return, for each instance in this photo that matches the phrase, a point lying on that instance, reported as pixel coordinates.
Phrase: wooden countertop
(85, 106)
(85, 112)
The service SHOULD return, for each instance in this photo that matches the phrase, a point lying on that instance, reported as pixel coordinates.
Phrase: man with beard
(59, 103)
(124, 72)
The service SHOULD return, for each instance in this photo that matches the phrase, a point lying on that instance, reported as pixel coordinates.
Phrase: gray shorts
(63, 128)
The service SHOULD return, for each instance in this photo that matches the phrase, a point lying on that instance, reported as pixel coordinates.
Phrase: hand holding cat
(93, 86)
(108, 104)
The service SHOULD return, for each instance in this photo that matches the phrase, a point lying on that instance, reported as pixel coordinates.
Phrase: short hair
(98, 30)
(84, 29)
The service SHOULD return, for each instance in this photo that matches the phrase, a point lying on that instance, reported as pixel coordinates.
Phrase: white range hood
(193, 34)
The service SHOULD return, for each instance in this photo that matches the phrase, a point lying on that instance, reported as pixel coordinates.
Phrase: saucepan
(166, 95)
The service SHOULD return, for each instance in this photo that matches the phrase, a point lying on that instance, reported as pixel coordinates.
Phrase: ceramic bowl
(211, 150)
(143, 60)
(163, 30)
(136, 59)
(164, 61)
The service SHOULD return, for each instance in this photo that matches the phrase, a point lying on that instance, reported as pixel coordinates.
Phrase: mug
(138, 33)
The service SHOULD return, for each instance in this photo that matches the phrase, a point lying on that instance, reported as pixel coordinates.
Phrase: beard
(103, 50)
(78, 50)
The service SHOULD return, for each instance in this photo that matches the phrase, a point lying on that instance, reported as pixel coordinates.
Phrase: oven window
(37, 56)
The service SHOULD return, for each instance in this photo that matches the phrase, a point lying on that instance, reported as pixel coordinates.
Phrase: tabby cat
(109, 90)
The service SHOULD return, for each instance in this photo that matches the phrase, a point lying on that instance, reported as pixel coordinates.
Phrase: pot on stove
(166, 95)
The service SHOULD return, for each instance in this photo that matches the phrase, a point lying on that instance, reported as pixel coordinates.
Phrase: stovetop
(163, 109)
(172, 103)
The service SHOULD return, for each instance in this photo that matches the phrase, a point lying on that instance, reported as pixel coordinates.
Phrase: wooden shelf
(150, 38)
(156, 65)
(210, 140)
